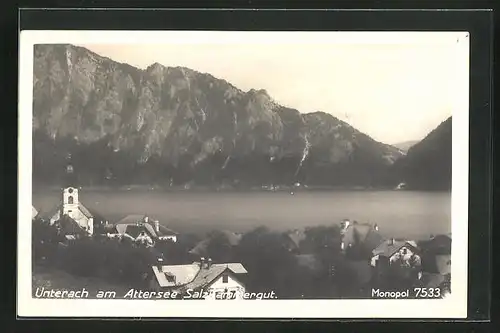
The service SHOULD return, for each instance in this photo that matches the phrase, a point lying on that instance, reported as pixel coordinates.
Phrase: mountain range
(172, 126)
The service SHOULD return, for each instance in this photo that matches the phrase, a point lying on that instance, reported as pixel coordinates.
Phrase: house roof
(70, 226)
(134, 229)
(34, 212)
(296, 236)
(131, 219)
(183, 274)
(192, 276)
(53, 211)
(84, 210)
(440, 244)
(388, 248)
(164, 231)
(205, 277)
(366, 234)
(373, 239)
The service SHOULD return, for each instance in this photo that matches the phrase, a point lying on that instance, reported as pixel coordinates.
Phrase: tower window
(70, 200)
(70, 190)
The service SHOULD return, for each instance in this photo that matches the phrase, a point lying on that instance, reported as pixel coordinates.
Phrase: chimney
(146, 219)
(391, 241)
(209, 262)
(345, 224)
(375, 227)
(202, 262)
(157, 226)
(159, 264)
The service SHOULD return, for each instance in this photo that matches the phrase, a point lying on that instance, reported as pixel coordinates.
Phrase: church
(78, 217)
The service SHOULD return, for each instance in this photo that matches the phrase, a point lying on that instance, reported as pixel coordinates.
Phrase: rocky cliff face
(175, 125)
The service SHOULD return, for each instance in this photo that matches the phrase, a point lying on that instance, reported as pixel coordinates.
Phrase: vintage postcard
(255, 174)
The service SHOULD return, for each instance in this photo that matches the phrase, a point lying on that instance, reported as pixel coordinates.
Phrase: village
(344, 260)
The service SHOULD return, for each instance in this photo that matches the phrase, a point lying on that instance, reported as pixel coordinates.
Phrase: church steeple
(70, 176)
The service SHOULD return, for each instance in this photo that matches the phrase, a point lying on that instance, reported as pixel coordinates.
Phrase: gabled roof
(439, 244)
(70, 226)
(388, 248)
(296, 237)
(207, 276)
(164, 231)
(34, 212)
(181, 274)
(134, 229)
(193, 276)
(125, 226)
(373, 239)
(132, 219)
(53, 211)
(366, 234)
(84, 210)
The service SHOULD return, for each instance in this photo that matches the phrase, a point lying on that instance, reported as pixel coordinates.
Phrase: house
(355, 233)
(437, 274)
(436, 263)
(71, 206)
(393, 250)
(69, 228)
(200, 280)
(439, 244)
(293, 240)
(436, 256)
(142, 228)
(201, 248)
(401, 186)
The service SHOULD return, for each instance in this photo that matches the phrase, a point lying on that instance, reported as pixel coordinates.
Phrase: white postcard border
(452, 306)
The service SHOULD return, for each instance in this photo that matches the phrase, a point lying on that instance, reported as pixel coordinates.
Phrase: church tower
(71, 205)
(70, 192)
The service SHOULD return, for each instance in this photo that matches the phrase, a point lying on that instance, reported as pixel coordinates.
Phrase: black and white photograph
(313, 174)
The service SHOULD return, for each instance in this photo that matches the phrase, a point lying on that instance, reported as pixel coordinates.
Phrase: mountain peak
(154, 66)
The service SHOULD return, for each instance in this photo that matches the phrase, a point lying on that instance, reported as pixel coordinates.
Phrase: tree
(324, 242)
(270, 266)
(219, 248)
(44, 241)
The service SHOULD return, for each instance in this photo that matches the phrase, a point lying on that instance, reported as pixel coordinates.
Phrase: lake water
(406, 214)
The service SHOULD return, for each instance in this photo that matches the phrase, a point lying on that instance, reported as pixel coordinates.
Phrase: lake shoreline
(207, 189)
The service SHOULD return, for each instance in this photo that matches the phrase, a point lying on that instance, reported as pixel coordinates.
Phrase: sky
(394, 88)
